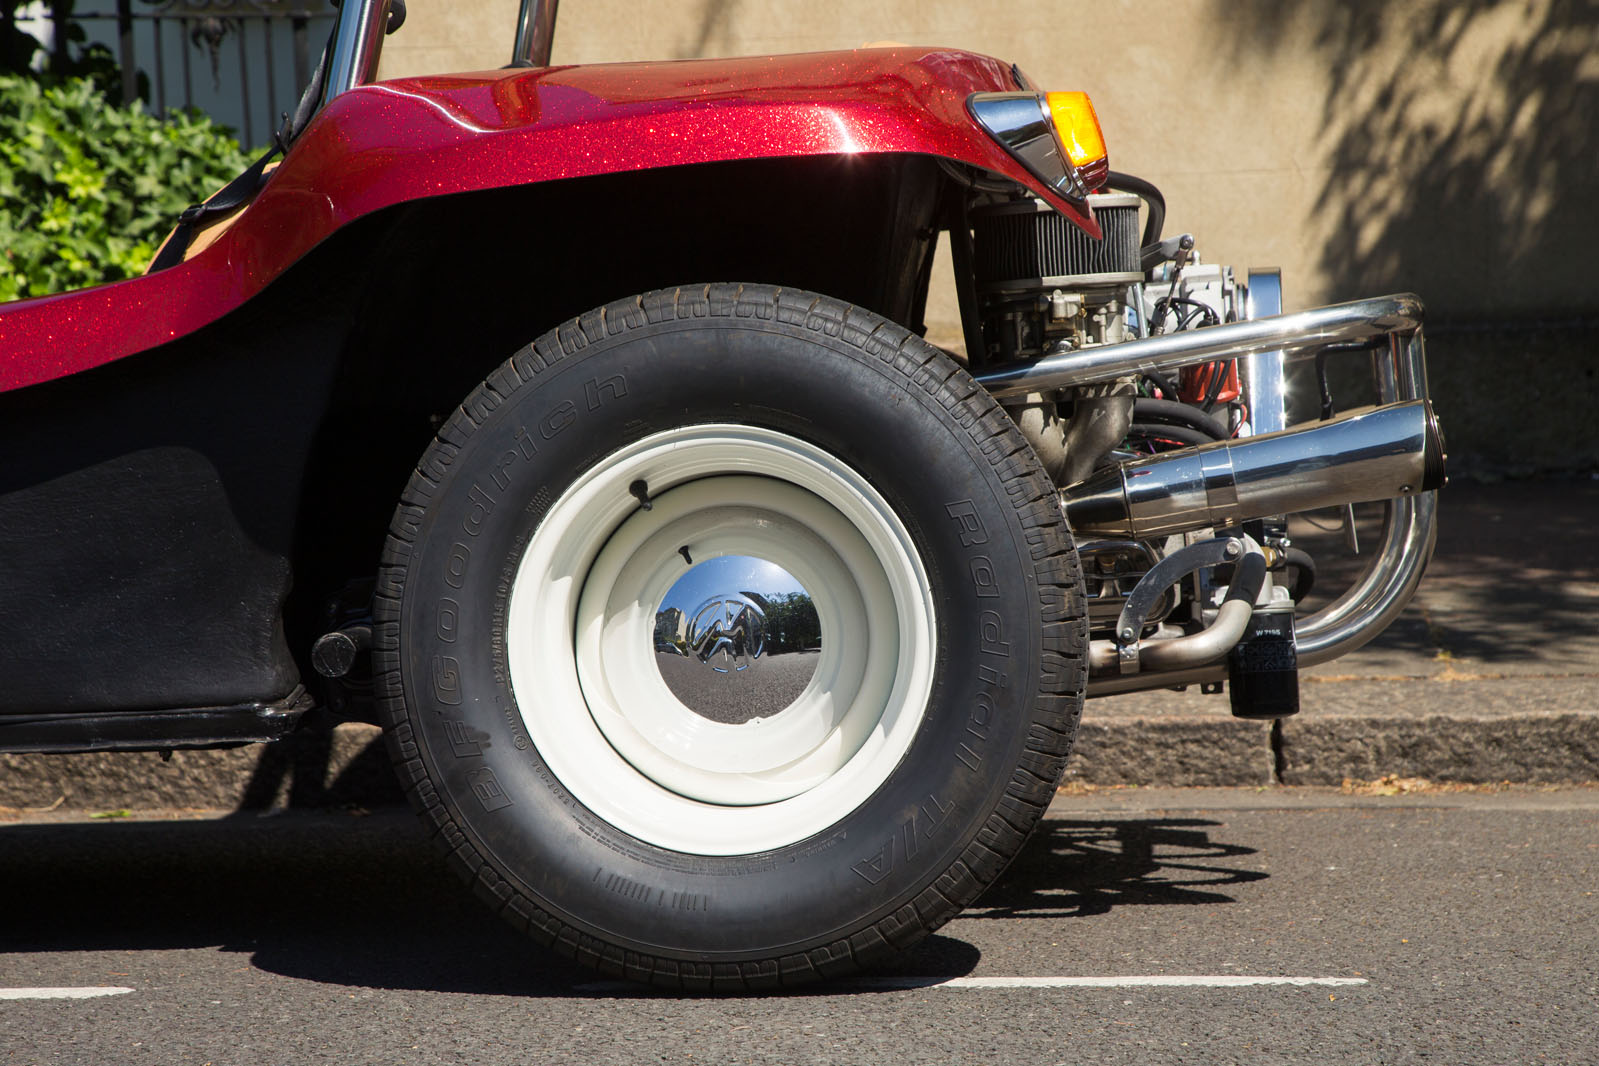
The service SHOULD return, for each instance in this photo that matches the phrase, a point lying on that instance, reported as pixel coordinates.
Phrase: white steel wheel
(729, 637)
(582, 618)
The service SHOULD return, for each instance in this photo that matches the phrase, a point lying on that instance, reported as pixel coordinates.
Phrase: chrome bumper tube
(1400, 369)
(1361, 320)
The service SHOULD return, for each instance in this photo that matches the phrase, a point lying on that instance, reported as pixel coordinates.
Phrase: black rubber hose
(1181, 435)
(1305, 567)
(1150, 195)
(1162, 382)
(1173, 413)
(1249, 574)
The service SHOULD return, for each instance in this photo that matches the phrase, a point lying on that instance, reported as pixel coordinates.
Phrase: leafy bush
(89, 190)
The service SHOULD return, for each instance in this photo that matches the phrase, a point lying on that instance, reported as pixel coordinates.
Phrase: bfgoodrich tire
(635, 783)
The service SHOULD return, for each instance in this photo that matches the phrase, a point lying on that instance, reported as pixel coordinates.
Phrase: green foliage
(74, 57)
(89, 190)
(791, 623)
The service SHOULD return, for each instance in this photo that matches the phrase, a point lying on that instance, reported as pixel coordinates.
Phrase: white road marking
(1155, 981)
(63, 993)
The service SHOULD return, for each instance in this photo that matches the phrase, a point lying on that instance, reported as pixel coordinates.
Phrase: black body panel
(174, 526)
(197, 727)
(147, 516)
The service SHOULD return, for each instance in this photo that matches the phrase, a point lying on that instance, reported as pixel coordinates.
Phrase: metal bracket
(1152, 587)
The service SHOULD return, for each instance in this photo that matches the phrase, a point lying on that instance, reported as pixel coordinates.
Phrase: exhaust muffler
(1376, 453)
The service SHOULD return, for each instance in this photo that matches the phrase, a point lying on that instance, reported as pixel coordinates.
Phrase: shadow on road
(331, 898)
(1082, 868)
(363, 901)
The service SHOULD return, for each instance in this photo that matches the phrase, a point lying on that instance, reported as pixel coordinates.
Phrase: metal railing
(244, 62)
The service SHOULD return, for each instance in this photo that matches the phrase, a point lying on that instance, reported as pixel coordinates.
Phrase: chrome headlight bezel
(1024, 124)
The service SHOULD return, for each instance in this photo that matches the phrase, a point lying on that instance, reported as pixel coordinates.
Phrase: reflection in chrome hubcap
(732, 627)
(731, 614)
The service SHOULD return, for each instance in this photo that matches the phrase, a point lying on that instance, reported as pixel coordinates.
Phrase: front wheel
(729, 637)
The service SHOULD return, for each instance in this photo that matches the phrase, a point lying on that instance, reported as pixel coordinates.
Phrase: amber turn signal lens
(1078, 128)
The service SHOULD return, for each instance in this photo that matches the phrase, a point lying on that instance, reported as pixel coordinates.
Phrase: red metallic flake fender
(391, 142)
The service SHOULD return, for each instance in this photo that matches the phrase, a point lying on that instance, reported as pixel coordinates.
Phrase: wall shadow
(1459, 138)
(1452, 156)
(712, 26)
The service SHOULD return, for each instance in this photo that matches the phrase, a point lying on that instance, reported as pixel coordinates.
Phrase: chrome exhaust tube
(1399, 461)
(1378, 453)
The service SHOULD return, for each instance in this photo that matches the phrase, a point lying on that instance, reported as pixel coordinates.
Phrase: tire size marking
(928, 817)
(639, 892)
(513, 720)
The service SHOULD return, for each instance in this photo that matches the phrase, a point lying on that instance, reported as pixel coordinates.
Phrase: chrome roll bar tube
(1263, 371)
(357, 46)
(535, 34)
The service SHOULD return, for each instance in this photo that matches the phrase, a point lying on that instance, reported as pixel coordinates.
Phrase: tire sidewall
(913, 441)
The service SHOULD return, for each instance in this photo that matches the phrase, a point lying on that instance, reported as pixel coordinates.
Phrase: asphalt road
(764, 690)
(1473, 921)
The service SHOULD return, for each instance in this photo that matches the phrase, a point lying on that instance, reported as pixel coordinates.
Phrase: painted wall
(1447, 147)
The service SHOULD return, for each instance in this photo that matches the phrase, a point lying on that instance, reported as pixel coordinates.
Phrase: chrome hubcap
(737, 639)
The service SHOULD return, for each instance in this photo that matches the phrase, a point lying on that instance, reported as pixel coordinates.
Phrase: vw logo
(727, 633)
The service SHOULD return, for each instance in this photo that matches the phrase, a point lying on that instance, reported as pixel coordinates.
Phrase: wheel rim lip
(541, 640)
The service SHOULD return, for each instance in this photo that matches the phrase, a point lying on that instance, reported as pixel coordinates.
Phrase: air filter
(1025, 246)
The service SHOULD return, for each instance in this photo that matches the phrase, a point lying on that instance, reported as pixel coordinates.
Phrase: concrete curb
(345, 767)
(1193, 751)
(1186, 741)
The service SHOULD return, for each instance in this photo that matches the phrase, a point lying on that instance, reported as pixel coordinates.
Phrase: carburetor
(1043, 285)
